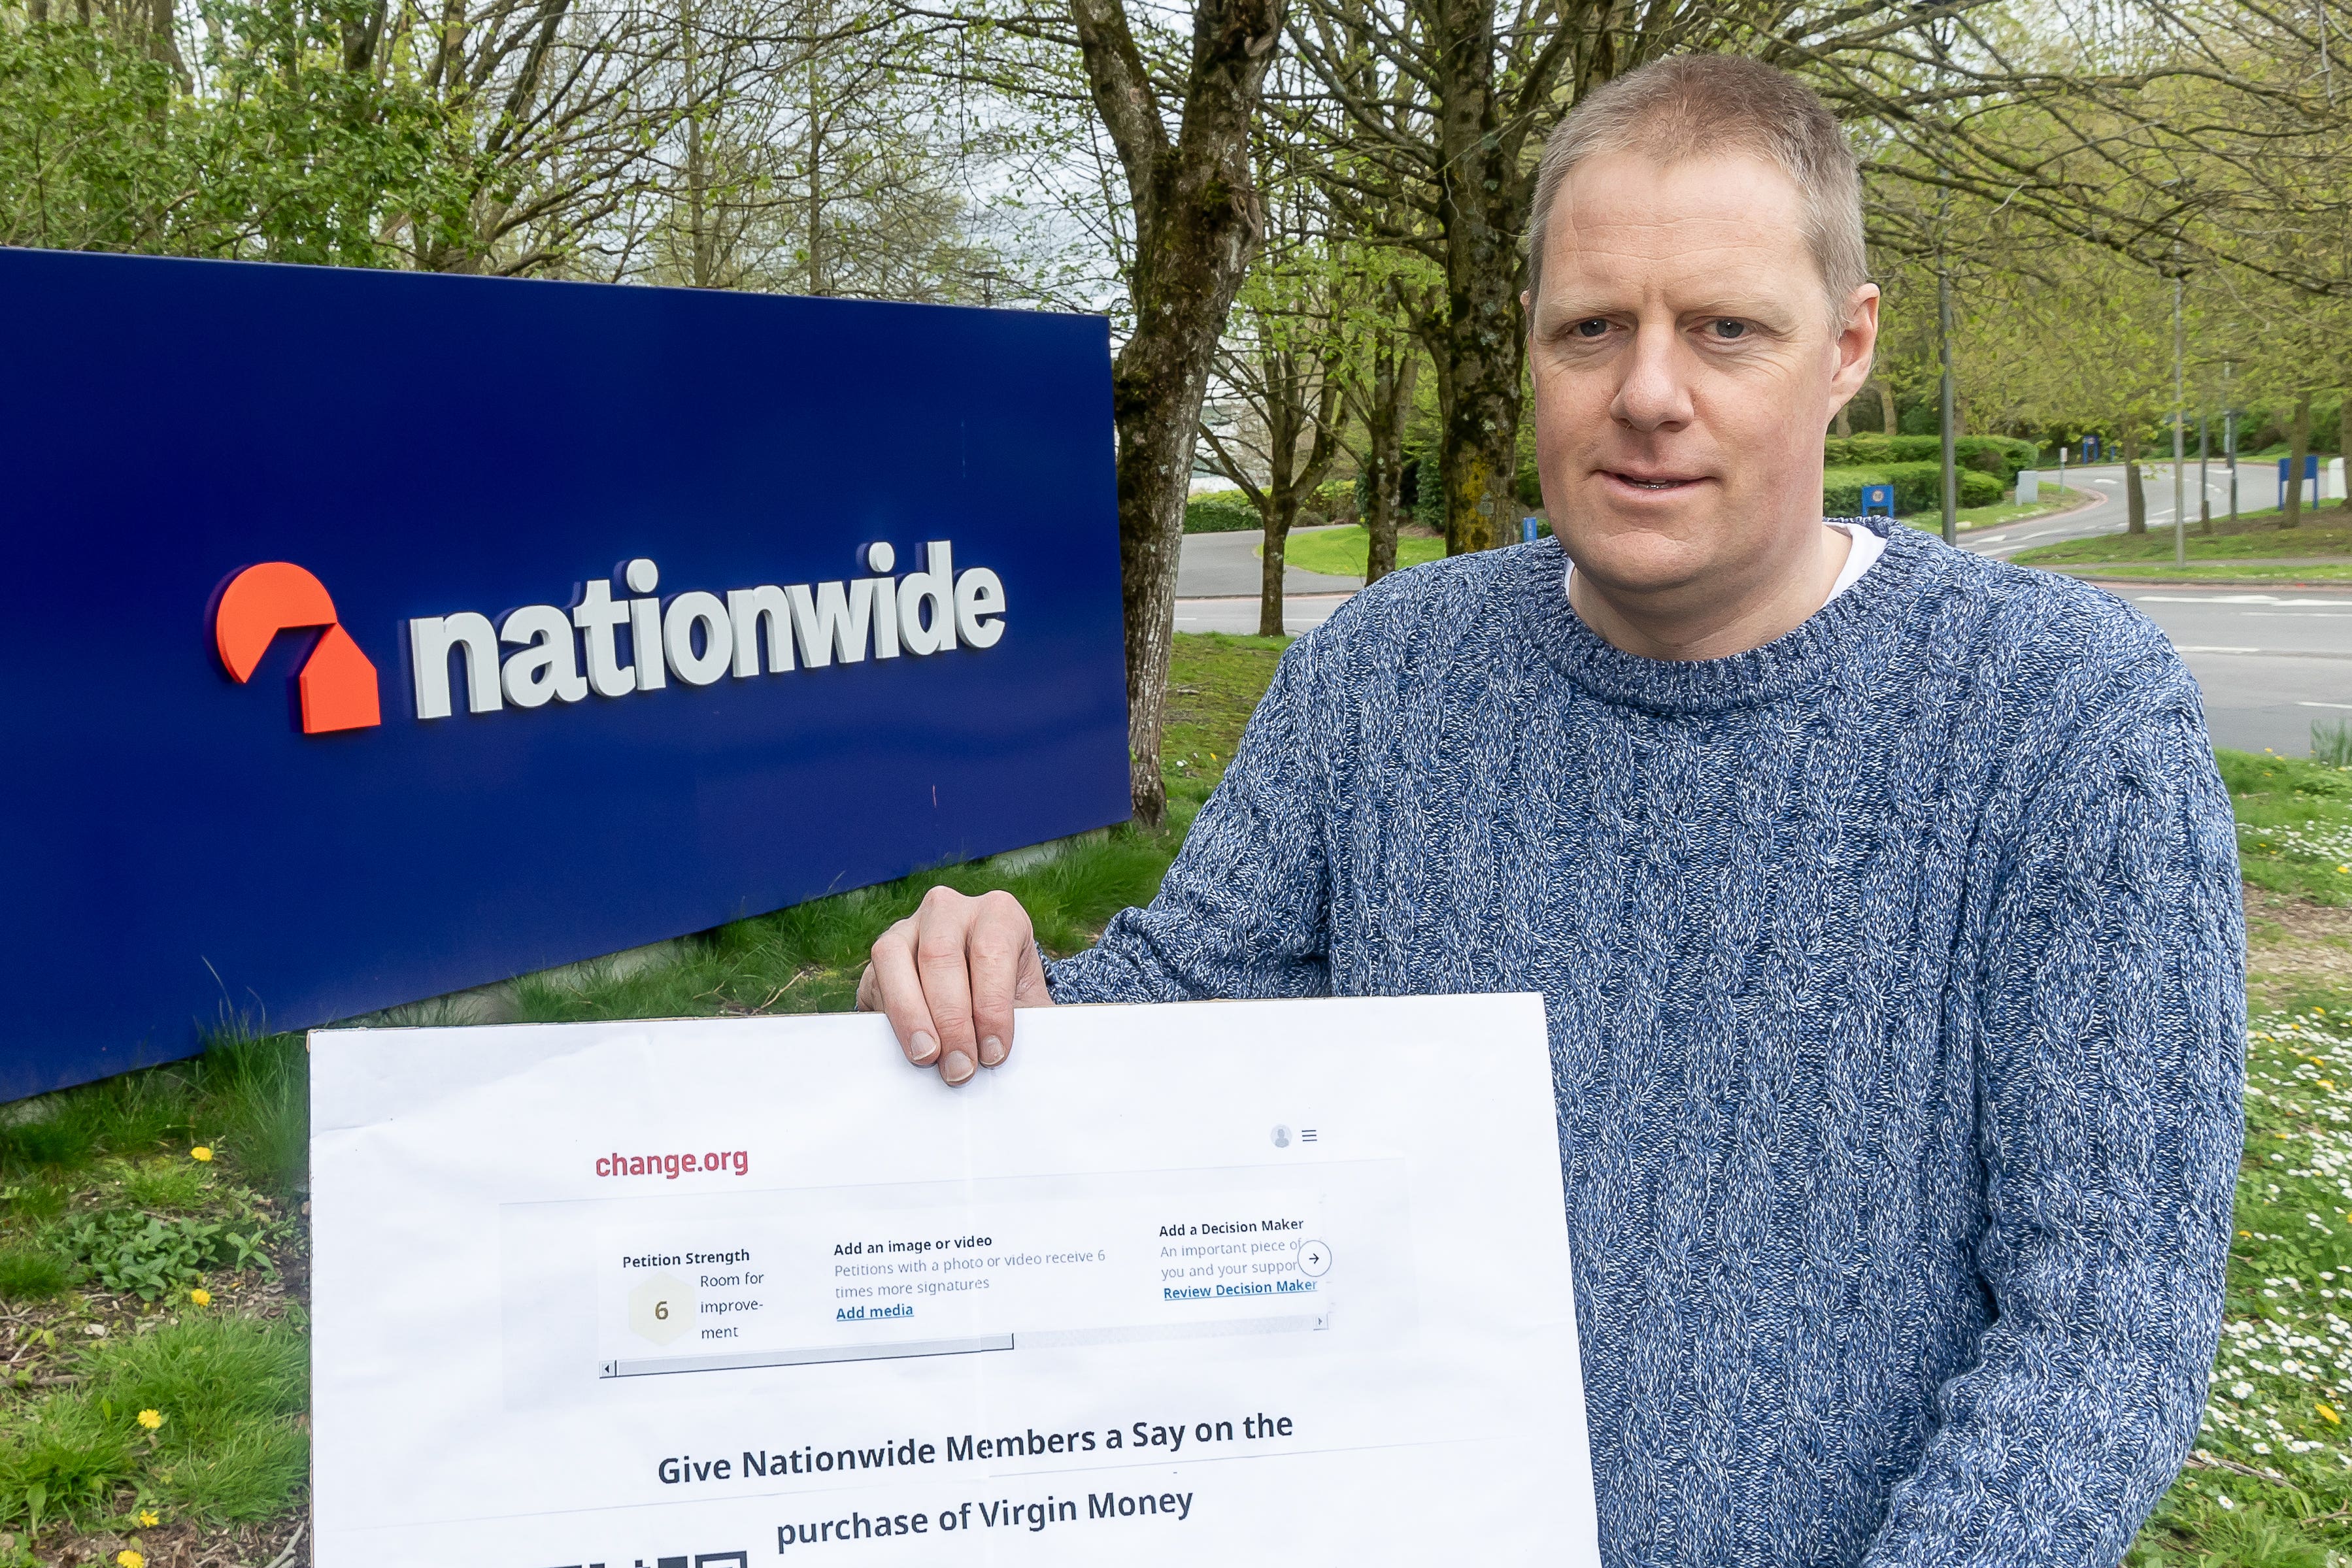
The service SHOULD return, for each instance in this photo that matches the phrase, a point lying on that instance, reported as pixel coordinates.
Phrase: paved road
(2269, 662)
(2258, 489)
(1226, 566)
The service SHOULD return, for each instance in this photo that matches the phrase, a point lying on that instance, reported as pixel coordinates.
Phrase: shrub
(1334, 501)
(1918, 487)
(1221, 512)
(1999, 455)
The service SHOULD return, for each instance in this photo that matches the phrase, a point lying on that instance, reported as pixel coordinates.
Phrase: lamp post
(2179, 413)
(2230, 441)
(1952, 478)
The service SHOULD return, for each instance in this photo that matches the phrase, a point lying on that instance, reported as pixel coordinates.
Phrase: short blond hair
(1703, 105)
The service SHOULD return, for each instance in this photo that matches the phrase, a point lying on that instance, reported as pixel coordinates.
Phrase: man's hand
(949, 976)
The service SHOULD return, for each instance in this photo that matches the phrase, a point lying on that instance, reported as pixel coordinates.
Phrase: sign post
(564, 619)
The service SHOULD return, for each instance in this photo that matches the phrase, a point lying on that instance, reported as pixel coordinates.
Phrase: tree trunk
(1270, 569)
(1888, 420)
(1479, 345)
(1198, 222)
(2134, 492)
(1395, 372)
(2298, 448)
(1844, 425)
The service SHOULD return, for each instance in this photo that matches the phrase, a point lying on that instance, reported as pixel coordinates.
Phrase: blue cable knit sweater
(1894, 974)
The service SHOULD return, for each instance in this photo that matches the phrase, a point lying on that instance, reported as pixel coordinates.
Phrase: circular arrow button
(1313, 1259)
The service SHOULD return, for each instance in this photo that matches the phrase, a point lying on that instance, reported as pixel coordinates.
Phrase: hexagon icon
(661, 1309)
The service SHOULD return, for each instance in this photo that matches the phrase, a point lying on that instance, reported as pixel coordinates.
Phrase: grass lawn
(2325, 530)
(153, 1247)
(2052, 499)
(1342, 552)
(2212, 571)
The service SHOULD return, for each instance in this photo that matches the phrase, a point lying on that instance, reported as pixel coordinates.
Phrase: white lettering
(545, 669)
(645, 643)
(700, 636)
(597, 616)
(687, 612)
(830, 620)
(755, 613)
(430, 640)
(934, 590)
(979, 594)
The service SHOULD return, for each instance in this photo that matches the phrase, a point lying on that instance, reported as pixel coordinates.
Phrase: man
(1883, 898)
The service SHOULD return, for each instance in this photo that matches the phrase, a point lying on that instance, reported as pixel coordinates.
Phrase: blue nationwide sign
(383, 634)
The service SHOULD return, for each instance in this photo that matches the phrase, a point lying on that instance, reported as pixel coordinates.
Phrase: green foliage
(255, 1104)
(1221, 512)
(1999, 455)
(2328, 531)
(2294, 824)
(88, 155)
(286, 156)
(1918, 487)
(151, 1257)
(2331, 743)
(163, 1182)
(1343, 552)
(230, 1391)
(34, 1273)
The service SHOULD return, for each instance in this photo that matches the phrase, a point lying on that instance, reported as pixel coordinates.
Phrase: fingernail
(957, 1068)
(926, 1047)
(992, 1052)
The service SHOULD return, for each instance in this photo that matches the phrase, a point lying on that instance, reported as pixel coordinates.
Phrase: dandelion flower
(150, 1420)
(202, 1153)
(201, 1296)
(2333, 1418)
(149, 1519)
(130, 1559)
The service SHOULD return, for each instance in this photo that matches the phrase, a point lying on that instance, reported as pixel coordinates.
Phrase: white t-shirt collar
(1861, 555)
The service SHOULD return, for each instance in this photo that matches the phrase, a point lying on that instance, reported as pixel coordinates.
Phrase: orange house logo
(338, 684)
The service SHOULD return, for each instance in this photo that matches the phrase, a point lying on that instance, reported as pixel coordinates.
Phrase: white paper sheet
(1236, 1283)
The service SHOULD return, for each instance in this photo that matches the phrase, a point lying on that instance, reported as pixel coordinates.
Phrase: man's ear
(1856, 346)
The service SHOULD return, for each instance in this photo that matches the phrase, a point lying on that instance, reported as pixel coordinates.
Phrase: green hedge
(1999, 455)
(1918, 487)
(1221, 512)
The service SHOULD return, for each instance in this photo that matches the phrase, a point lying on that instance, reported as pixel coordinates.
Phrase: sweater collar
(1804, 656)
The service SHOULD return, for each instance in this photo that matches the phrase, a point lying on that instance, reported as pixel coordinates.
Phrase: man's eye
(1591, 327)
(1728, 328)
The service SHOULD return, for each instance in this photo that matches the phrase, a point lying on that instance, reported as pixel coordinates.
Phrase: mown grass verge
(108, 1221)
(1344, 552)
(2325, 530)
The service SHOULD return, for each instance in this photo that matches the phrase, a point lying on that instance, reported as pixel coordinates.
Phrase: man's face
(1684, 368)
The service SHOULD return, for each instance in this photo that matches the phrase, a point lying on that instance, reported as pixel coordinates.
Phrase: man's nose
(1654, 394)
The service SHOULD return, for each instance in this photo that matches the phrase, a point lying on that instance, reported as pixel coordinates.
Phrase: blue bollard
(1878, 499)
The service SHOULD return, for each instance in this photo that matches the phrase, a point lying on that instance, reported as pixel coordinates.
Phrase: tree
(1198, 220)
(1382, 399)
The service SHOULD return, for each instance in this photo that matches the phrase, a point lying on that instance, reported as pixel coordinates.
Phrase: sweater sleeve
(2105, 1014)
(1244, 910)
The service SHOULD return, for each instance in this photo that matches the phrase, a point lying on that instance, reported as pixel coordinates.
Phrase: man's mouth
(1659, 482)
